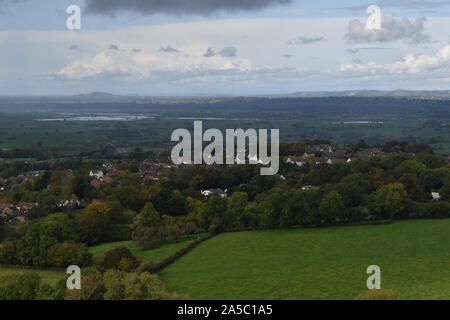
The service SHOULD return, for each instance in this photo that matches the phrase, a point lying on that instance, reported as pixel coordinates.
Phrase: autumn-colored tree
(93, 225)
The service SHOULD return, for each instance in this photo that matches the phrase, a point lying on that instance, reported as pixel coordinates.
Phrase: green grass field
(48, 276)
(322, 263)
(152, 254)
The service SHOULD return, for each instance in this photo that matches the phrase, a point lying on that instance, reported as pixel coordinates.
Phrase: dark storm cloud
(209, 53)
(228, 52)
(177, 7)
(404, 4)
(168, 49)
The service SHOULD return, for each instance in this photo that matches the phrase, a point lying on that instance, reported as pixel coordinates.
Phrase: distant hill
(421, 94)
(370, 94)
(96, 94)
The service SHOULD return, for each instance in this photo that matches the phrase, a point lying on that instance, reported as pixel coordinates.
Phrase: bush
(8, 253)
(20, 286)
(435, 209)
(119, 258)
(92, 287)
(382, 294)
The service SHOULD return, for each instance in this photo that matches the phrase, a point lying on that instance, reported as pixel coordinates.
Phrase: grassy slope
(325, 263)
(153, 254)
(48, 276)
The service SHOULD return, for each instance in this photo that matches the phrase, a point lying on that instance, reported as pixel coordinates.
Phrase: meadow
(318, 263)
(154, 254)
(341, 120)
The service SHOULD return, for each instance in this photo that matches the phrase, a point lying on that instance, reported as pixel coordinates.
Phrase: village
(153, 169)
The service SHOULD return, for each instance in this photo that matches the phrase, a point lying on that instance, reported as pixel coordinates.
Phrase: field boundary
(170, 259)
(13, 266)
(347, 224)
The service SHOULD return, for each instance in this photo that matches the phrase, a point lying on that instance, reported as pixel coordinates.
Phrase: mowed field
(322, 263)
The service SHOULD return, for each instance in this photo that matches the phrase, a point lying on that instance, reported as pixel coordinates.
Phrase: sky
(232, 47)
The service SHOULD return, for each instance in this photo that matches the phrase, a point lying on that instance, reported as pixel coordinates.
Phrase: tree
(251, 215)
(67, 253)
(296, 210)
(48, 231)
(93, 225)
(20, 286)
(445, 191)
(353, 189)
(272, 207)
(144, 286)
(332, 208)
(114, 285)
(409, 166)
(130, 197)
(414, 190)
(80, 186)
(8, 253)
(214, 207)
(390, 201)
(113, 258)
(176, 204)
(92, 287)
(149, 217)
(235, 209)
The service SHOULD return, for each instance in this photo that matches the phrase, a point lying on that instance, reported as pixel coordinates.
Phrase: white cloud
(391, 30)
(129, 65)
(434, 66)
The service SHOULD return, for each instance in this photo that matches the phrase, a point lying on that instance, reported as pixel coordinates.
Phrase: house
(108, 179)
(324, 160)
(8, 211)
(364, 153)
(5, 205)
(300, 162)
(26, 206)
(436, 196)
(339, 153)
(95, 183)
(219, 192)
(97, 175)
(306, 188)
(69, 203)
(108, 166)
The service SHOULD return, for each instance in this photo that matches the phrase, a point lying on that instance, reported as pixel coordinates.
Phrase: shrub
(92, 287)
(8, 253)
(118, 258)
(20, 286)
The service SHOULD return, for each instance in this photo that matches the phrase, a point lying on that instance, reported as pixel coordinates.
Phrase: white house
(436, 196)
(96, 174)
(219, 192)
